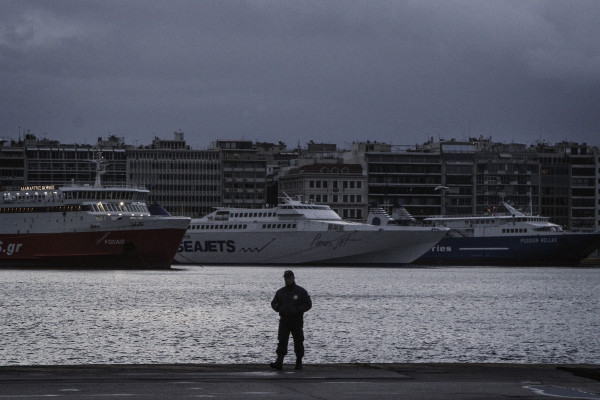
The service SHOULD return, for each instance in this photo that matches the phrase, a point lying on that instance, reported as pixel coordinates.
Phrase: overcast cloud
(330, 71)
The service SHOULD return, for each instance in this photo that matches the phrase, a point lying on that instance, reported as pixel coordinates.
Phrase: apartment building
(244, 174)
(475, 176)
(452, 177)
(184, 181)
(342, 186)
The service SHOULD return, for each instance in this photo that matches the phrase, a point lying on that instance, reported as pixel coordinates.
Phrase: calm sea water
(223, 315)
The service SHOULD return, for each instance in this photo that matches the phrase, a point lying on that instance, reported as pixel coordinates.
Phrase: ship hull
(565, 249)
(356, 247)
(118, 249)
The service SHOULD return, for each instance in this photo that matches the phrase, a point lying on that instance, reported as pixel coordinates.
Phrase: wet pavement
(322, 381)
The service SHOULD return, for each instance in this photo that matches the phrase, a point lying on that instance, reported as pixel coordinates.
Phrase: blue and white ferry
(513, 238)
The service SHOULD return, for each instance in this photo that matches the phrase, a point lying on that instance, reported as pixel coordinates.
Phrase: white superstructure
(299, 233)
(513, 223)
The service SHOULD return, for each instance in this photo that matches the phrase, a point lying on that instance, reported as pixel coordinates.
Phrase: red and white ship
(85, 226)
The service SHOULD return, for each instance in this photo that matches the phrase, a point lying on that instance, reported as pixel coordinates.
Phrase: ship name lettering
(530, 240)
(207, 246)
(549, 240)
(10, 248)
(38, 187)
(441, 249)
(332, 244)
(114, 241)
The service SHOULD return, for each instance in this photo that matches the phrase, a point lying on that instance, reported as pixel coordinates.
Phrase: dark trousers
(293, 326)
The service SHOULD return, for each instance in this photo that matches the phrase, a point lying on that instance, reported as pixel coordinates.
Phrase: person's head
(288, 277)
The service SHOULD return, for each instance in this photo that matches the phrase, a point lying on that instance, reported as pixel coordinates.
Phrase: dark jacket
(291, 301)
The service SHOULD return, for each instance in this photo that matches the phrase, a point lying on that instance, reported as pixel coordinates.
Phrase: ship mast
(100, 169)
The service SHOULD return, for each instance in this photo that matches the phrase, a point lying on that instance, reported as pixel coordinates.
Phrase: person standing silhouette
(291, 302)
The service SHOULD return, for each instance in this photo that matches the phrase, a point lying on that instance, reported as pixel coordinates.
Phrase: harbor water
(194, 314)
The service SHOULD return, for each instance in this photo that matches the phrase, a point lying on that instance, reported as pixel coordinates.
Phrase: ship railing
(469, 216)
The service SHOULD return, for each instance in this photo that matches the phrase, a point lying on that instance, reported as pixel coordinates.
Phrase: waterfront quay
(316, 381)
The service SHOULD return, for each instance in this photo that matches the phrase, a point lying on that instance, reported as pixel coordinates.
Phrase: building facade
(184, 181)
(561, 181)
(244, 174)
(341, 186)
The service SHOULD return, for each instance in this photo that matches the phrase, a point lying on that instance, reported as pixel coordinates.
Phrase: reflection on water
(223, 315)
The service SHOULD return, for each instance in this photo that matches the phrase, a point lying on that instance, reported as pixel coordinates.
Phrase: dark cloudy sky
(331, 71)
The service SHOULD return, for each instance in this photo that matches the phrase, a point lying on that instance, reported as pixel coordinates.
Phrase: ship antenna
(286, 198)
(100, 169)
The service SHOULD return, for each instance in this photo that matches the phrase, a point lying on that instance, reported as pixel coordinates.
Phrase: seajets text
(213, 246)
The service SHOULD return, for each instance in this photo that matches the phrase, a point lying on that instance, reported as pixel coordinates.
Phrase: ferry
(510, 238)
(299, 233)
(85, 226)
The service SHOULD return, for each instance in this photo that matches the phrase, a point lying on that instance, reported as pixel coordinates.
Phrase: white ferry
(299, 233)
(512, 238)
(83, 226)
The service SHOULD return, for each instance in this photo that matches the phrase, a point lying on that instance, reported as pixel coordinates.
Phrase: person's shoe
(276, 365)
(298, 365)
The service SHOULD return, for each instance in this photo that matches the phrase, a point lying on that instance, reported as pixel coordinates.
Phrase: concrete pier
(323, 381)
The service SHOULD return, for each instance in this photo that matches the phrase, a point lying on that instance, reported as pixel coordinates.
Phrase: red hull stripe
(150, 248)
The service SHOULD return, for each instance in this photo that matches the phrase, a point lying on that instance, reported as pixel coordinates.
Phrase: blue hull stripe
(560, 249)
